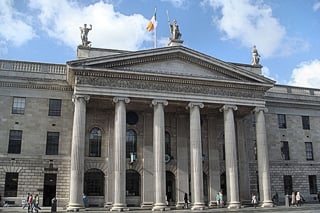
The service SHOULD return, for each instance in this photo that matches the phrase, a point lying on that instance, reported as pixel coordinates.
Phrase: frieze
(167, 87)
(35, 86)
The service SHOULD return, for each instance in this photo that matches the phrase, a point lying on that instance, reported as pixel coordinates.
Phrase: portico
(186, 94)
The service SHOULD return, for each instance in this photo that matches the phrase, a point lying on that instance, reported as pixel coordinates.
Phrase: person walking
(293, 199)
(30, 203)
(54, 204)
(186, 200)
(298, 199)
(254, 200)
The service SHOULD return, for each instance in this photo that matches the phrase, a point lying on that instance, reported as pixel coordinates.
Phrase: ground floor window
(287, 182)
(11, 184)
(313, 184)
(94, 183)
(132, 183)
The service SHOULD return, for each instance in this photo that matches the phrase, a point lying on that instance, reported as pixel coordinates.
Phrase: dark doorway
(223, 184)
(170, 187)
(49, 188)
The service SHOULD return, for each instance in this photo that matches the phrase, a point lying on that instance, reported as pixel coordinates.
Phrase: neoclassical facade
(145, 128)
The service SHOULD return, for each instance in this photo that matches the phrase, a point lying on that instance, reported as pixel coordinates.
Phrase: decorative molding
(227, 107)
(118, 99)
(77, 96)
(157, 101)
(35, 86)
(194, 104)
(258, 109)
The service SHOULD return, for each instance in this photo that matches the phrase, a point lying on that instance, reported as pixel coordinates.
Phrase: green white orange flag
(152, 23)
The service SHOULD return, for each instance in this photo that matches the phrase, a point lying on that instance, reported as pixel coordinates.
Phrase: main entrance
(49, 188)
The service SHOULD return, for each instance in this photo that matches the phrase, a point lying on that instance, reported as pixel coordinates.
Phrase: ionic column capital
(195, 104)
(85, 97)
(118, 99)
(258, 109)
(227, 107)
(158, 101)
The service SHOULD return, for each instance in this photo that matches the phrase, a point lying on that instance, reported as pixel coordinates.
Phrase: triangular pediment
(175, 62)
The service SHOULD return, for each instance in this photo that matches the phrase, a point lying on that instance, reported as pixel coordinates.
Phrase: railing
(285, 89)
(21, 66)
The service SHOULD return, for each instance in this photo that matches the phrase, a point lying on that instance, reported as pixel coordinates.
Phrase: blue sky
(286, 32)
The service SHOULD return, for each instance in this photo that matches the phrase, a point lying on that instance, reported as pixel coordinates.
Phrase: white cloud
(176, 3)
(62, 20)
(306, 74)
(252, 23)
(14, 26)
(316, 6)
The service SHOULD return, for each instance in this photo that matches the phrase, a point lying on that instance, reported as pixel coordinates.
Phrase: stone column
(159, 156)
(196, 157)
(263, 159)
(231, 156)
(119, 202)
(77, 152)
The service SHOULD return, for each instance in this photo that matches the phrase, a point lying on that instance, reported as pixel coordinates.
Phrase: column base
(234, 205)
(74, 207)
(198, 206)
(160, 207)
(108, 205)
(119, 208)
(180, 205)
(267, 203)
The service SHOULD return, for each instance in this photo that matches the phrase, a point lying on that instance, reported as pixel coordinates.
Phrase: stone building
(144, 128)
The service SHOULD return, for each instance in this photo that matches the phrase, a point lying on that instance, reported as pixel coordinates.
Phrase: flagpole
(155, 29)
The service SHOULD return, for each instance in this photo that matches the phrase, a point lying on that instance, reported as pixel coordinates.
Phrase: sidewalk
(307, 208)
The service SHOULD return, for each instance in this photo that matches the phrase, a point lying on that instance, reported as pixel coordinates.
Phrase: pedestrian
(221, 199)
(218, 199)
(254, 200)
(85, 200)
(293, 199)
(30, 203)
(26, 203)
(54, 204)
(36, 203)
(298, 199)
(186, 200)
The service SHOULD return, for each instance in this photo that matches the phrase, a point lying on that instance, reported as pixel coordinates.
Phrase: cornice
(29, 85)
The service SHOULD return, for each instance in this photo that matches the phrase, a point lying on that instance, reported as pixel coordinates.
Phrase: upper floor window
(15, 139)
(131, 144)
(305, 122)
(167, 144)
(95, 142)
(11, 184)
(285, 150)
(18, 105)
(52, 147)
(54, 107)
(309, 150)
(282, 121)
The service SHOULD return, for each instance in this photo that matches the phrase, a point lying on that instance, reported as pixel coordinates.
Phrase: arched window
(131, 145)
(95, 142)
(167, 144)
(132, 183)
(94, 182)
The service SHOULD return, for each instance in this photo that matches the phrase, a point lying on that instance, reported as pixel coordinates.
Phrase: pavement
(306, 208)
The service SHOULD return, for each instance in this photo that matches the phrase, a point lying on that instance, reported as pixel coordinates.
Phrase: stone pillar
(231, 156)
(159, 156)
(77, 152)
(263, 159)
(119, 202)
(196, 157)
(182, 180)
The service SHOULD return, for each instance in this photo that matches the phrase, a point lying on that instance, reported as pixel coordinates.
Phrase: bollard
(287, 201)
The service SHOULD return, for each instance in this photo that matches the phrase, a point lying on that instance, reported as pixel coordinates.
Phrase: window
(132, 183)
(18, 105)
(287, 182)
(54, 107)
(131, 144)
(93, 182)
(167, 144)
(95, 142)
(132, 118)
(282, 121)
(285, 150)
(309, 151)
(305, 122)
(52, 143)
(15, 138)
(11, 184)
(313, 184)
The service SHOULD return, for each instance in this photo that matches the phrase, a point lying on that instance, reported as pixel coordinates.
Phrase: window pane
(95, 143)
(131, 145)
(282, 121)
(285, 150)
(54, 107)
(11, 184)
(309, 151)
(305, 122)
(313, 184)
(15, 138)
(18, 105)
(52, 147)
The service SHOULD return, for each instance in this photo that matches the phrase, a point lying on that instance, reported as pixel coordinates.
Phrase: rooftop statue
(174, 30)
(255, 56)
(84, 35)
